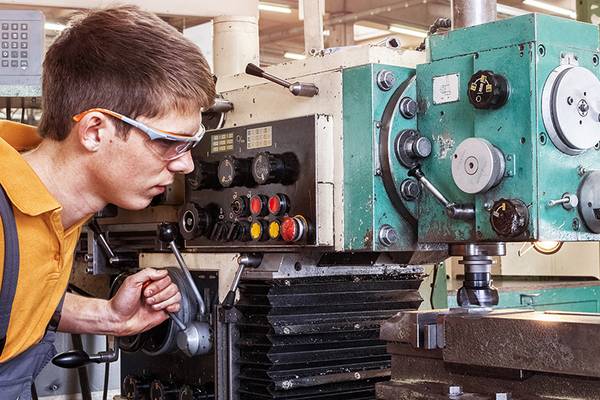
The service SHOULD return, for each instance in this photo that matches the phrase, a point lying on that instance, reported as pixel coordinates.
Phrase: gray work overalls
(18, 373)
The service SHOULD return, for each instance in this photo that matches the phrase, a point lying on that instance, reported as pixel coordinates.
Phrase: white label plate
(446, 88)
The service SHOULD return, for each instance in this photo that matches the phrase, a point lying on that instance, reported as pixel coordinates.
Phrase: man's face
(134, 173)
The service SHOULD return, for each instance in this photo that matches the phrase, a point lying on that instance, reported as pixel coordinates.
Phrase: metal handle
(167, 234)
(296, 88)
(251, 260)
(456, 211)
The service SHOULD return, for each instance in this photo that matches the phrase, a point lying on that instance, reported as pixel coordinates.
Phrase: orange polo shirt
(46, 249)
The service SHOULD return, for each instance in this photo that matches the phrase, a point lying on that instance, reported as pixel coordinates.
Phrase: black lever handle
(254, 70)
(296, 88)
(71, 359)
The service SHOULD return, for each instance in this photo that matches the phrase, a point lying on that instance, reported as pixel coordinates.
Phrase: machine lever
(79, 358)
(167, 234)
(296, 88)
(112, 257)
(251, 260)
(454, 210)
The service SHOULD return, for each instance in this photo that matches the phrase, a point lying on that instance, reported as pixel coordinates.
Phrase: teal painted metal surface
(525, 50)
(367, 206)
(575, 299)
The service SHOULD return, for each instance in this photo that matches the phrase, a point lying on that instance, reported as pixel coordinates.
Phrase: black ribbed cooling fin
(318, 338)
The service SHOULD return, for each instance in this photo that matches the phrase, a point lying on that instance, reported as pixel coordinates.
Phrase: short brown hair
(123, 59)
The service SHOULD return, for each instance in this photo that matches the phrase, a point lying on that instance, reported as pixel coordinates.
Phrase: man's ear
(93, 130)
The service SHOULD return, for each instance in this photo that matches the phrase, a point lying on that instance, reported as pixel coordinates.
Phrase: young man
(122, 94)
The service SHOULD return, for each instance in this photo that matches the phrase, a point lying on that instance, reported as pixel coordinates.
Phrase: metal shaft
(188, 276)
(177, 321)
(472, 12)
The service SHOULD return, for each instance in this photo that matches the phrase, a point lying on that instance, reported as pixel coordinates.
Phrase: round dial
(509, 217)
(204, 176)
(267, 168)
(234, 172)
(487, 90)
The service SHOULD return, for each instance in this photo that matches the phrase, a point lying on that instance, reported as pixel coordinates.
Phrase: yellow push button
(274, 230)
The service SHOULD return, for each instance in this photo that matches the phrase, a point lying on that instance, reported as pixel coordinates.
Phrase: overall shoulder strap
(10, 275)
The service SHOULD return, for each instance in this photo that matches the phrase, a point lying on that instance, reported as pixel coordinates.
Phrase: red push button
(258, 205)
(293, 228)
(278, 204)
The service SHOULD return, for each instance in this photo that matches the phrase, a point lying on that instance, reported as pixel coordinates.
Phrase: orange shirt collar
(22, 185)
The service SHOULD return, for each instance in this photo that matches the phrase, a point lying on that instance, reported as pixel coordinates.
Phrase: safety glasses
(167, 145)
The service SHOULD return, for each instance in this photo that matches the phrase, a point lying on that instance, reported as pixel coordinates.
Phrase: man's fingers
(173, 308)
(139, 278)
(166, 293)
(156, 286)
(170, 301)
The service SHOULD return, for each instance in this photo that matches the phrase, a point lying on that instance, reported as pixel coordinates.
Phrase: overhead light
(293, 56)
(508, 10)
(408, 31)
(52, 26)
(278, 8)
(552, 8)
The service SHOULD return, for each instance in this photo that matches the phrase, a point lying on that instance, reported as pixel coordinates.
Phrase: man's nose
(182, 165)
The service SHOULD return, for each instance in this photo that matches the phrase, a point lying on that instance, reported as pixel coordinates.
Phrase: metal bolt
(286, 330)
(357, 375)
(455, 390)
(385, 80)
(89, 270)
(378, 172)
(422, 147)
(503, 396)
(286, 385)
(387, 235)
(410, 189)
(53, 387)
(569, 100)
(487, 206)
(581, 170)
(408, 108)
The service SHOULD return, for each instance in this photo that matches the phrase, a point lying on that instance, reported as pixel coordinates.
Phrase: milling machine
(330, 182)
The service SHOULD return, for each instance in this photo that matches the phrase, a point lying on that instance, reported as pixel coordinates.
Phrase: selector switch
(204, 176)
(509, 218)
(274, 168)
(234, 172)
(239, 231)
(487, 90)
(240, 206)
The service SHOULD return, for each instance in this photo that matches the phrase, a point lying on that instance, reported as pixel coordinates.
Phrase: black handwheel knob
(167, 232)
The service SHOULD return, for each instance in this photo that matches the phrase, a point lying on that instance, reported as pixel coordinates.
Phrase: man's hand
(143, 300)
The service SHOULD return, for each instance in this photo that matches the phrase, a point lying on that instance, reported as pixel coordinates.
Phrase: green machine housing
(512, 112)
(380, 201)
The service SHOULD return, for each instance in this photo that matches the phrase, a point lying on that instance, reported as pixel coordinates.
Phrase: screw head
(387, 235)
(385, 80)
(408, 108)
(410, 189)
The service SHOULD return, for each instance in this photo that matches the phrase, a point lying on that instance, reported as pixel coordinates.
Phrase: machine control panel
(253, 186)
(21, 49)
